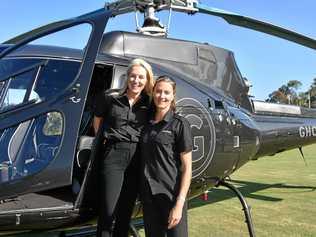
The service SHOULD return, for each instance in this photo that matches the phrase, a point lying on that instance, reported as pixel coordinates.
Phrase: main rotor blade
(48, 27)
(261, 26)
(34, 32)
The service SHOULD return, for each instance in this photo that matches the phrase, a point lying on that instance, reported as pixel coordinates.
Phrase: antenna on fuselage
(151, 25)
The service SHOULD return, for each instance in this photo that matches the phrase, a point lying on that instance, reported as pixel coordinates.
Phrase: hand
(175, 215)
(104, 141)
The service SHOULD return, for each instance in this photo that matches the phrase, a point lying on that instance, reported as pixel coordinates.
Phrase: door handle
(74, 99)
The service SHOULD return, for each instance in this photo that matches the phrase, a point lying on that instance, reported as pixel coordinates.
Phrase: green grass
(281, 191)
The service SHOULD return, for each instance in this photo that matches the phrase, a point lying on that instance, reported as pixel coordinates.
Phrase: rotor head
(152, 24)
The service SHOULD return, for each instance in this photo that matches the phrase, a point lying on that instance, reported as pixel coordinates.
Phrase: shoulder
(103, 96)
(180, 123)
(101, 104)
(179, 118)
(114, 96)
(183, 133)
(104, 99)
(145, 99)
(107, 98)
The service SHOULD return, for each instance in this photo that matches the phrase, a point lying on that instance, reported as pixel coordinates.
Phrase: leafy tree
(303, 99)
(277, 97)
(287, 94)
(295, 84)
(312, 91)
(312, 88)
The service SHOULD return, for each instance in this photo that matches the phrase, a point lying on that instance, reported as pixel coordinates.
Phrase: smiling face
(163, 95)
(137, 79)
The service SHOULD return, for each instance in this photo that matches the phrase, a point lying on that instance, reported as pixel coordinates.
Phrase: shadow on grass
(248, 190)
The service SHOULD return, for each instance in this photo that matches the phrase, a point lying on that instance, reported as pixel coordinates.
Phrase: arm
(97, 122)
(100, 109)
(186, 168)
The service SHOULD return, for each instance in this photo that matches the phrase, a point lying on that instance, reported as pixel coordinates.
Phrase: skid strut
(244, 204)
(133, 230)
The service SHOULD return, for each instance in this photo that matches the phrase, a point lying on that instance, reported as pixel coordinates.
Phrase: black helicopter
(47, 95)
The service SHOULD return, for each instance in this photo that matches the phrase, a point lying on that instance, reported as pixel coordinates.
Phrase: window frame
(7, 81)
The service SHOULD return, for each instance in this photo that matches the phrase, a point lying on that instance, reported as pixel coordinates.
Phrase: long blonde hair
(167, 79)
(149, 74)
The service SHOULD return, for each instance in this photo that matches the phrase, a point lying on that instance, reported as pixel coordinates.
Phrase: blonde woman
(123, 118)
(166, 151)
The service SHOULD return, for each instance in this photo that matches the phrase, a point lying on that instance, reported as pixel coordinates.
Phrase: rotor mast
(152, 24)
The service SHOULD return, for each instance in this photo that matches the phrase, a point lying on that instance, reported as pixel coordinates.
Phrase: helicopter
(47, 93)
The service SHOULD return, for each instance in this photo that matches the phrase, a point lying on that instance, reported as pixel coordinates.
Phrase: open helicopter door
(39, 119)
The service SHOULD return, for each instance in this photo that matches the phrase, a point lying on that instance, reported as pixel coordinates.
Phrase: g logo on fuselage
(203, 132)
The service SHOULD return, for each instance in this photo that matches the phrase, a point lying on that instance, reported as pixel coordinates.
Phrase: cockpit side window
(10, 67)
(18, 90)
(33, 80)
(55, 77)
(16, 76)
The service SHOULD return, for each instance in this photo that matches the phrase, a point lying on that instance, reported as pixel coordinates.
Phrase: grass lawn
(280, 190)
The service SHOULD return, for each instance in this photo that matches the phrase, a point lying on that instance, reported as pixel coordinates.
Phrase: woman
(166, 148)
(123, 117)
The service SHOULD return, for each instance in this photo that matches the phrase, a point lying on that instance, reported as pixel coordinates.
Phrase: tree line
(288, 94)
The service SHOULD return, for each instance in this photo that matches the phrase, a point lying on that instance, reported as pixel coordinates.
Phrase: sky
(266, 61)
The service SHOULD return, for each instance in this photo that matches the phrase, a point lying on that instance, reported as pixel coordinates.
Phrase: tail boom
(281, 133)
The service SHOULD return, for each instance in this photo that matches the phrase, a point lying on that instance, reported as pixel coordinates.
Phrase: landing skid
(244, 204)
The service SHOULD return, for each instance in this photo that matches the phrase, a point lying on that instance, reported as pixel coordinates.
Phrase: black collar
(143, 97)
(168, 116)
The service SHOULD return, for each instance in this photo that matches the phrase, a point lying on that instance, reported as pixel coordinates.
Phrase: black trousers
(119, 173)
(156, 209)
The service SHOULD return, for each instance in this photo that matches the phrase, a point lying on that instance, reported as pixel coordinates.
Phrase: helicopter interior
(105, 79)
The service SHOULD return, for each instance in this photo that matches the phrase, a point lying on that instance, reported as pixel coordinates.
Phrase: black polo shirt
(161, 145)
(121, 121)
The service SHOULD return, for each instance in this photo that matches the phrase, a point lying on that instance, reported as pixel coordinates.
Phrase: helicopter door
(41, 104)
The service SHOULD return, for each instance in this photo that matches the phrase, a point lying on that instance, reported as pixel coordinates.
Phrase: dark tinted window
(55, 77)
(9, 67)
(23, 80)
